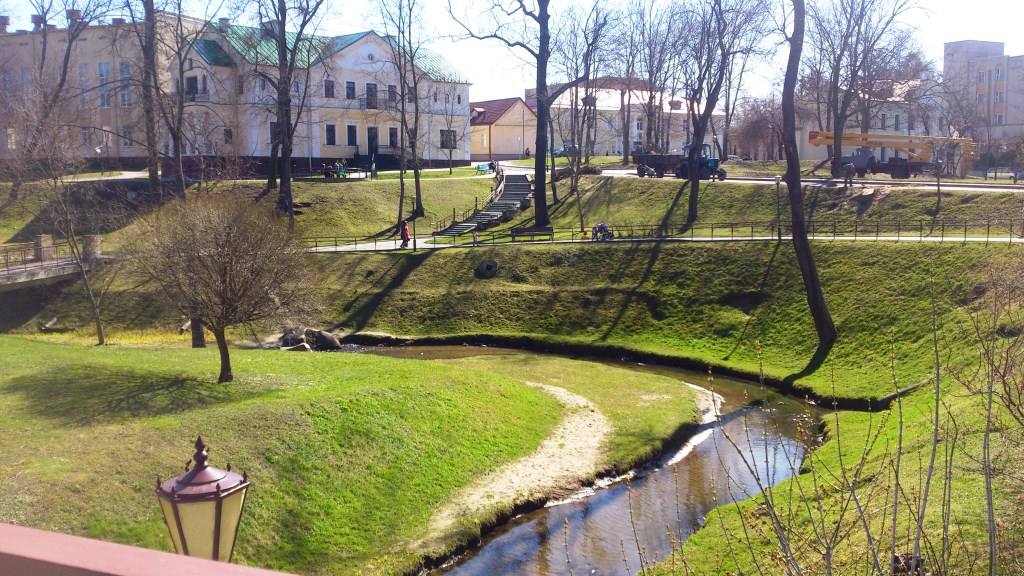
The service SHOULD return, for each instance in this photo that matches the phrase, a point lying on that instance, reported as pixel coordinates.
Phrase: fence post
(920, 232)
(899, 228)
(942, 237)
(856, 225)
(965, 231)
(988, 230)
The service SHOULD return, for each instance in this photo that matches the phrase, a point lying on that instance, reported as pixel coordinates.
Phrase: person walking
(405, 234)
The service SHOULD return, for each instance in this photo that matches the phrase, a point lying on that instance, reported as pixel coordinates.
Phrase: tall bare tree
(823, 324)
(47, 94)
(526, 26)
(719, 32)
(290, 26)
(845, 36)
(401, 20)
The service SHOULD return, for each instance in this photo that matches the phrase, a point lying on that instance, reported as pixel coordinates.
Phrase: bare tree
(823, 323)
(845, 36)
(525, 26)
(658, 29)
(46, 95)
(626, 48)
(719, 32)
(401, 19)
(290, 26)
(453, 116)
(227, 259)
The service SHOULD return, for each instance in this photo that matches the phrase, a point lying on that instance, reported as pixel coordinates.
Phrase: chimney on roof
(270, 27)
(37, 22)
(223, 24)
(5, 21)
(74, 16)
(117, 21)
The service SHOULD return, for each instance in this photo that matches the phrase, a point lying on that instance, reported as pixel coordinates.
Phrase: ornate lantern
(202, 507)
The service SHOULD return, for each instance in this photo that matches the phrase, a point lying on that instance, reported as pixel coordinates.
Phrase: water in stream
(666, 502)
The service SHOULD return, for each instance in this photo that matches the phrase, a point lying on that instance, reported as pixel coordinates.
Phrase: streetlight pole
(778, 209)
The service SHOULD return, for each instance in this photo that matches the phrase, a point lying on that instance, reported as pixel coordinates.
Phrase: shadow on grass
(87, 394)
(820, 354)
(760, 290)
(362, 307)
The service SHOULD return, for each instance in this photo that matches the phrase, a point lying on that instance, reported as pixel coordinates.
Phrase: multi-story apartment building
(613, 96)
(986, 91)
(346, 95)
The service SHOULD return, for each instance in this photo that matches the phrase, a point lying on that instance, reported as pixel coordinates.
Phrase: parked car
(567, 150)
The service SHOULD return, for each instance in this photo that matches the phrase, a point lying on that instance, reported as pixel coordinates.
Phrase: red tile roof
(488, 111)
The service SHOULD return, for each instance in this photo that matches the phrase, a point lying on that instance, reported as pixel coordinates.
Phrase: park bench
(533, 232)
(483, 168)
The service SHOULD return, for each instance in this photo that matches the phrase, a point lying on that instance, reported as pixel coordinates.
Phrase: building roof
(260, 49)
(212, 53)
(489, 111)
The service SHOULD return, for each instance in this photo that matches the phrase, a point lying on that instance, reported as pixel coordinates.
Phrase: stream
(591, 533)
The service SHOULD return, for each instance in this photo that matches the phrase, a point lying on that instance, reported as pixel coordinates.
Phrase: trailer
(657, 165)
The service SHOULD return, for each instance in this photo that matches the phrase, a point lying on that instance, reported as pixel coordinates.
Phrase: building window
(125, 88)
(295, 86)
(126, 137)
(12, 139)
(83, 83)
(229, 136)
(353, 138)
(896, 122)
(263, 84)
(330, 135)
(240, 85)
(910, 122)
(885, 122)
(83, 136)
(981, 75)
(999, 73)
(447, 139)
(371, 96)
(639, 126)
(435, 95)
(999, 120)
(981, 98)
(458, 98)
(350, 90)
(410, 96)
(392, 93)
(447, 97)
(393, 137)
(328, 88)
(103, 74)
(999, 97)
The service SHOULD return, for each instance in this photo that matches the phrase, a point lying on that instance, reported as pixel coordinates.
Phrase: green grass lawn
(712, 304)
(349, 453)
(654, 202)
(721, 546)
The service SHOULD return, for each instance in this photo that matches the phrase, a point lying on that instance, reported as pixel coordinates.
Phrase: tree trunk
(624, 115)
(149, 84)
(823, 324)
(225, 356)
(540, 202)
(196, 327)
(272, 172)
(554, 169)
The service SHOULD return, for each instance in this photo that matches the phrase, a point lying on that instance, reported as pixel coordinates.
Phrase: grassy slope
(349, 453)
(346, 209)
(710, 303)
(719, 548)
(632, 201)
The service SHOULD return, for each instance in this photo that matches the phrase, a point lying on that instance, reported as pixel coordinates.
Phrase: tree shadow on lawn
(87, 394)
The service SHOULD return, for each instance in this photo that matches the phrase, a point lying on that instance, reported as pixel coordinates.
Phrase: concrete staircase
(513, 189)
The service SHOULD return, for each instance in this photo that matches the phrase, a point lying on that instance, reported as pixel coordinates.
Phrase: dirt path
(570, 454)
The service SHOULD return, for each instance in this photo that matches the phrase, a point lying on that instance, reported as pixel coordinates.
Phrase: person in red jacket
(405, 234)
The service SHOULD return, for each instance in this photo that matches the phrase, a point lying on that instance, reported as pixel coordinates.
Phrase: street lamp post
(202, 507)
(778, 209)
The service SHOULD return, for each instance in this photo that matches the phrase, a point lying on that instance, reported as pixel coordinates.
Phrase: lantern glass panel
(230, 514)
(172, 523)
(197, 522)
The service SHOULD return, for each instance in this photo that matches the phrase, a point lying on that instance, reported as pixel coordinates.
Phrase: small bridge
(42, 261)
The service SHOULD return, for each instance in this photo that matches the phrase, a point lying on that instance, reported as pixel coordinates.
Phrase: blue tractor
(657, 165)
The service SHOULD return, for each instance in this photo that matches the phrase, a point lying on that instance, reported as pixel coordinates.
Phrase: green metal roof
(261, 50)
(212, 53)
